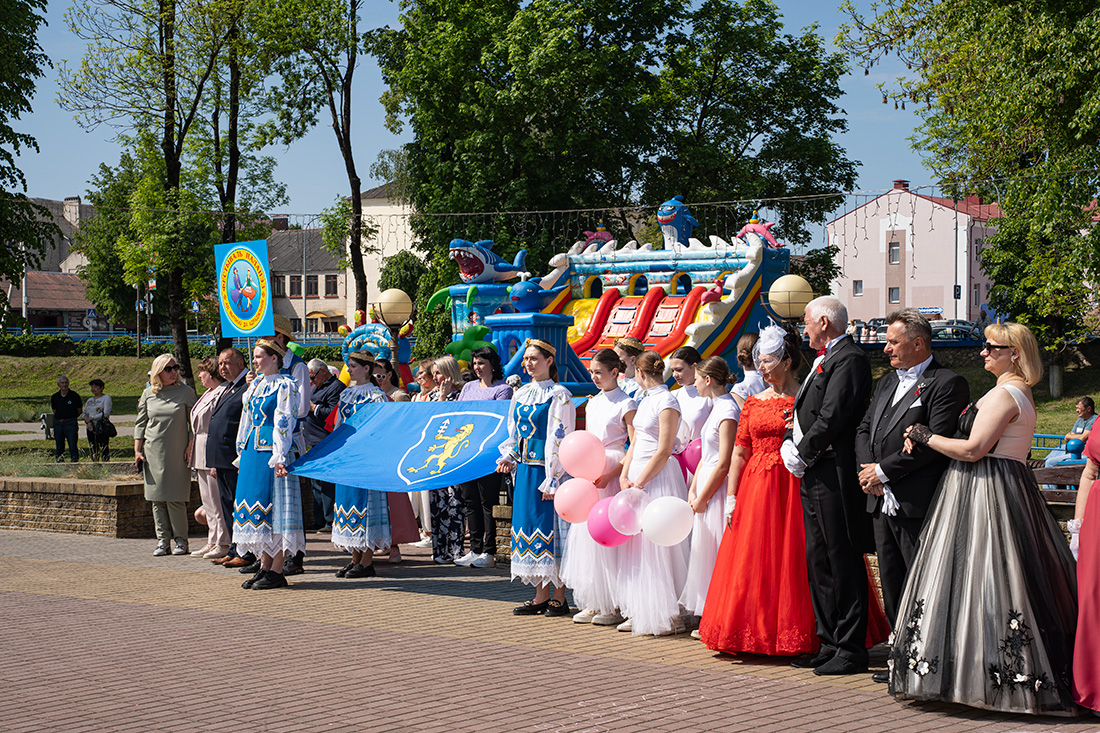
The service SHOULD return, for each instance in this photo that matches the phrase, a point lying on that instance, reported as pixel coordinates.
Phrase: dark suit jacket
(221, 438)
(326, 397)
(830, 407)
(940, 396)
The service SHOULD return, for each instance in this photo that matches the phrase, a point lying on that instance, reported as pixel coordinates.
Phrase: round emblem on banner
(244, 289)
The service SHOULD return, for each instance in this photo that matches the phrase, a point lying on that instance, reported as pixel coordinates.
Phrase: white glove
(730, 502)
(1074, 527)
(890, 504)
(791, 459)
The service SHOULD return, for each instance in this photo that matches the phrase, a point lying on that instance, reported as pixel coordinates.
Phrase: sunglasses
(991, 347)
(172, 368)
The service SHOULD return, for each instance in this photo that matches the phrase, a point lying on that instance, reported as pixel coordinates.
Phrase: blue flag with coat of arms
(410, 446)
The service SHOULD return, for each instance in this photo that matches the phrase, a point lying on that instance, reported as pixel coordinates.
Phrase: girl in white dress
(651, 576)
(629, 349)
(694, 407)
(590, 569)
(719, 431)
(752, 383)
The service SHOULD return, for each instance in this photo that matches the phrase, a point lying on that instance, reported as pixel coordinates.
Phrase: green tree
(746, 112)
(819, 267)
(26, 228)
(403, 271)
(1008, 104)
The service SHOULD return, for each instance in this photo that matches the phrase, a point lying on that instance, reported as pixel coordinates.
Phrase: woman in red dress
(759, 596)
(1085, 542)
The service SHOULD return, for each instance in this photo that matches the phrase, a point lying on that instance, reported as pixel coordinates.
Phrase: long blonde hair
(158, 368)
(1029, 365)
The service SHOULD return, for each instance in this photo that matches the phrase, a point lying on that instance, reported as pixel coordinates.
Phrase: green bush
(324, 352)
(62, 345)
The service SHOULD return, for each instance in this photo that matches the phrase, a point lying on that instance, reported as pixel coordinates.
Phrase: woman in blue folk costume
(361, 517)
(540, 416)
(267, 518)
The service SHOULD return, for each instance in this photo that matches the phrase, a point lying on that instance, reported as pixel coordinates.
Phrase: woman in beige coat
(162, 449)
(217, 530)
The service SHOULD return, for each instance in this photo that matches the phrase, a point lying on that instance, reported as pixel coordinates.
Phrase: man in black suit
(900, 486)
(326, 397)
(221, 443)
(820, 447)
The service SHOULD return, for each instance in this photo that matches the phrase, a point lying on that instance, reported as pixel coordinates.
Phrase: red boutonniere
(920, 388)
(819, 369)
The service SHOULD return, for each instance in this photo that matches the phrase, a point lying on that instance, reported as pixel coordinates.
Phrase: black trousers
(324, 502)
(896, 540)
(837, 573)
(98, 445)
(478, 498)
(227, 492)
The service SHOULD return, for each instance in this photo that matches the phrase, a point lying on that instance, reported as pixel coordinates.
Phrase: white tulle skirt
(651, 577)
(706, 536)
(589, 569)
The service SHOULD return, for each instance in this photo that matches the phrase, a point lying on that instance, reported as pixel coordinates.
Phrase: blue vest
(531, 423)
(262, 412)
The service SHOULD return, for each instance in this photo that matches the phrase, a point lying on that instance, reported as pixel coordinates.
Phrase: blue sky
(313, 169)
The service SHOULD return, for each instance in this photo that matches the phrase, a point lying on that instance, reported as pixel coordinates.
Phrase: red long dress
(759, 597)
(1086, 649)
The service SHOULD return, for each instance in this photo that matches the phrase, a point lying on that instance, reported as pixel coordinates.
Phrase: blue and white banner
(410, 446)
(244, 289)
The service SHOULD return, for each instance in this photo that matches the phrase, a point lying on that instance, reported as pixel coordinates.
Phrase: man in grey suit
(900, 486)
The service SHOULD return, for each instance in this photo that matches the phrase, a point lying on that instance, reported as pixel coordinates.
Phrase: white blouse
(631, 387)
(97, 408)
(286, 414)
(358, 394)
(605, 417)
(647, 421)
(752, 384)
(561, 421)
(723, 408)
(694, 409)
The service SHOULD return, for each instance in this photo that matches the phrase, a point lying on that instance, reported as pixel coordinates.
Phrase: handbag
(104, 428)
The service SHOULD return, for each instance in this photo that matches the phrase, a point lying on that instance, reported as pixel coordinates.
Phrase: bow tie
(910, 373)
(821, 352)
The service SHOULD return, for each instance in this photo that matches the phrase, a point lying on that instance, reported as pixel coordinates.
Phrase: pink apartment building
(907, 249)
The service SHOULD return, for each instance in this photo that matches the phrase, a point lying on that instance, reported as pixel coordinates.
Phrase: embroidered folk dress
(267, 516)
(540, 416)
(988, 614)
(360, 517)
(590, 569)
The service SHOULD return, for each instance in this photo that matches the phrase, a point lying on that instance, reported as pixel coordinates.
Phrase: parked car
(956, 333)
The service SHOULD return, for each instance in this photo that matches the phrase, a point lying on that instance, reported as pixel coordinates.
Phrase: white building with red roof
(908, 249)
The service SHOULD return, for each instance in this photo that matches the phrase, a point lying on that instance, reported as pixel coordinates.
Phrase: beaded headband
(273, 346)
(545, 346)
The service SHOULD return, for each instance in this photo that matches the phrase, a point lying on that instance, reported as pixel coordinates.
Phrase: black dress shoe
(530, 608)
(247, 585)
(270, 580)
(811, 661)
(293, 567)
(344, 570)
(362, 571)
(839, 666)
(247, 569)
(882, 677)
(557, 608)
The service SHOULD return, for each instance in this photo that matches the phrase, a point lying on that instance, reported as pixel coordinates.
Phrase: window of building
(857, 288)
(979, 245)
(312, 323)
(296, 325)
(895, 295)
(295, 286)
(331, 286)
(895, 253)
(987, 290)
(278, 286)
(977, 294)
(311, 286)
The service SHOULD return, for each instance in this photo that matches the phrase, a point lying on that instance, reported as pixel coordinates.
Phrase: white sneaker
(216, 551)
(484, 560)
(180, 548)
(696, 635)
(584, 617)
(426, 542)
(202, 551)
(627, 625)
(467, 560)
(607, 619)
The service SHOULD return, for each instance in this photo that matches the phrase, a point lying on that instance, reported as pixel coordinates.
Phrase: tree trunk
(177, 318)
(229, 205)
(1057, 372)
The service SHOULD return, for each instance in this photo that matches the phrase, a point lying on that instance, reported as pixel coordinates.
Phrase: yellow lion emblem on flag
(447, 449)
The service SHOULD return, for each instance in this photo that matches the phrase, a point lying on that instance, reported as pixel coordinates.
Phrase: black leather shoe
(557, 608)
(840, 666)
(247, 585)
(530, 608)
(248, 569)
(361, 571)
(270, 580)
(811, 661)
(293, 567)
(342, 572)
(882, 677)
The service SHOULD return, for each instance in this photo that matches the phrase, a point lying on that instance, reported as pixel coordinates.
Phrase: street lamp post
(788, 297)
(394, 308)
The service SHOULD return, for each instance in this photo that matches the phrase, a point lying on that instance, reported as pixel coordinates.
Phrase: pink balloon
(599, 526)
(574, 499)
(582, 455)
(692, 454)
(626, 510)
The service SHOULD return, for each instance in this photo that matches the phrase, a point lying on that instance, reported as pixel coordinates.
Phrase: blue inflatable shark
(477, 263)
(676, 223)
(530, 297)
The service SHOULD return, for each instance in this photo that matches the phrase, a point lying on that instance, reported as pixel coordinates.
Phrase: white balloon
(667, 520)
(626, 509)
